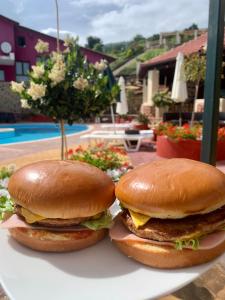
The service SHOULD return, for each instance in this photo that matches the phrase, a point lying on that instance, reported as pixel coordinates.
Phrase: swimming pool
(27, 132)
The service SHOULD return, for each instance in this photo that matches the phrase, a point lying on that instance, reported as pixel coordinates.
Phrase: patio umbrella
(111, 83)
(121, 107)
(179, 89)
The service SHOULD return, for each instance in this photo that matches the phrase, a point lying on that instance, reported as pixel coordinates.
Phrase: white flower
(24, 103)
(57, 57)
(17, 87)
(67, 50)
(115, 174)
(4, 193)
(101, 66)
(4, 183)
(69, 41)
(41, 46)
(58, 72)
(38, 71)
(81, 83)
(36, 91)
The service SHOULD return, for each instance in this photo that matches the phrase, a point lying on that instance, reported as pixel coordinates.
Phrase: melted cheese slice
(30, 217)
(139, 219)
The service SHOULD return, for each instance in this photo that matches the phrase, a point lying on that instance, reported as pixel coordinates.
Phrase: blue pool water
(26, 132)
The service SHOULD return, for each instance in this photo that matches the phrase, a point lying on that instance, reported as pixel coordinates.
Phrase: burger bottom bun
(165, 257)
(52, 245)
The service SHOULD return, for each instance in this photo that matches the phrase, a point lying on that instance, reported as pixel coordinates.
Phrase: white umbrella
(179, 89)
(121, 107)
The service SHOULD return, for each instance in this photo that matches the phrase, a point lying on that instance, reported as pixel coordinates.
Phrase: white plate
(100, 272)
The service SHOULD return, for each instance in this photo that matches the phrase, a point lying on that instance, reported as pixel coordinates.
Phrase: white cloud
(62, 33)
(18, 5)
(119, 3)
(148, 18)
(111, 20)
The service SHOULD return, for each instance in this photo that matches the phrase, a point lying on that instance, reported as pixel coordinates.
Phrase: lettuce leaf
(193, 243)
(6, 206)
(105, 221)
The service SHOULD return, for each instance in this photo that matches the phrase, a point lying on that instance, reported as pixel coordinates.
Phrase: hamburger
(59, 205)
(173, 213)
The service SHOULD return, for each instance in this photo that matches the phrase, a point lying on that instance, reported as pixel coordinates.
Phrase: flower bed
(184, 142)
(113, 160)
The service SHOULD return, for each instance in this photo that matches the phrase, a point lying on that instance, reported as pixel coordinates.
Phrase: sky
(111, 20)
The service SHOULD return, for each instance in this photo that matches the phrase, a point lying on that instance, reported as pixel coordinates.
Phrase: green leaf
(193, 243)
(6, 206)
(105, 221)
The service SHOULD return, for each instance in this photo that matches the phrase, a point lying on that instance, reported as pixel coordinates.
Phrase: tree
(195, 71)
(98, 47)
(192, 27)
(92, 41)
(138, 38)
(66, 87)
(154, 37)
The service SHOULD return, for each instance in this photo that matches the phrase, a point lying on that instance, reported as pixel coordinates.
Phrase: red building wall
(7, 35)
(10, 31)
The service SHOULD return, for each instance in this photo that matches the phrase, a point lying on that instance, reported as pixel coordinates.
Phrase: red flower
(126, 164)
(100, 145)
(70, 152)
(79, 149)
(186, 125)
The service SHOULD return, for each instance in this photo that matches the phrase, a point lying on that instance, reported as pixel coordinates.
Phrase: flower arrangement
(177, 133)
(185, 132)
(141, 122)
(110, 159)
(6, 204)
(65, 87)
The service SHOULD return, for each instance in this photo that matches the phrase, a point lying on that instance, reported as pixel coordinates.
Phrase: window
(2, 75)
(22, 69)
(21, 41)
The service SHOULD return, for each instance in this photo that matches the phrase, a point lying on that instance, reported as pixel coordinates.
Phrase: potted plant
(65, 87)
(141, 122)
(162, 101)
(185, 141)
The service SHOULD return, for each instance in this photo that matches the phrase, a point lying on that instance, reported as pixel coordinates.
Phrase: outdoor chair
(126, 139)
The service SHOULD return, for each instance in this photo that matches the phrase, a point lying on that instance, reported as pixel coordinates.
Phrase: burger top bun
(172, 188)
(62, 189)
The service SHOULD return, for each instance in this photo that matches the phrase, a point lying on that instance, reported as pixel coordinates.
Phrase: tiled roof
(186, 48)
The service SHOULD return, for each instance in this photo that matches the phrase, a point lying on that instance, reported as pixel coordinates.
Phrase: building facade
(17, 53)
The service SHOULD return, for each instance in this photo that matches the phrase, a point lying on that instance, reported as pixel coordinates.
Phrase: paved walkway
(209, 286)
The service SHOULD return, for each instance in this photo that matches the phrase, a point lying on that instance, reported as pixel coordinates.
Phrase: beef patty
(54, 222)
(177, 229)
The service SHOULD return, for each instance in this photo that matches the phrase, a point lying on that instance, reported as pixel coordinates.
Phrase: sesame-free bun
(56, 242)
(62, 189)
(165, 257)
(172, 188)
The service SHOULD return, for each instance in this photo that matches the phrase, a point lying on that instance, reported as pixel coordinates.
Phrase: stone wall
(134, 101)
(9, 102)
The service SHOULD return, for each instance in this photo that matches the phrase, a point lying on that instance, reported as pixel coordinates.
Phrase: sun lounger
(126, 139)
(117, 126)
